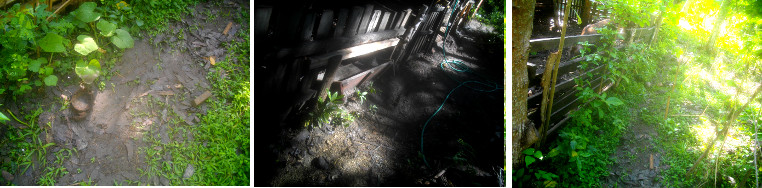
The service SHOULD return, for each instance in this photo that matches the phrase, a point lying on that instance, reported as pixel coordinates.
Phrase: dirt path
(463, 142)
(149, 95)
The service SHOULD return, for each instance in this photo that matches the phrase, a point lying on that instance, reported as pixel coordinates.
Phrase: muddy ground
(151, 91)
(463, 143)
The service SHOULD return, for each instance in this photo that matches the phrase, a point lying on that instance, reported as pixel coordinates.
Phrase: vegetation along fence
(565, 100)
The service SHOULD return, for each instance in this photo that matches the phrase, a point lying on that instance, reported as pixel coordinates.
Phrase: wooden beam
(355, 51)
(537, 45)
(332, 44)
(324, 27)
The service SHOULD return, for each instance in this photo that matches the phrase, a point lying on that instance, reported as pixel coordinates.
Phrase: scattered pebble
(188, 171)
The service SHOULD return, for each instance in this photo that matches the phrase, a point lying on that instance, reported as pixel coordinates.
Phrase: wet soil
(151, 89)
(463, 144)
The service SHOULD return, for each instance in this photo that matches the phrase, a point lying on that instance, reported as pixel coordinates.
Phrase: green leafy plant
(325, 110)
(88, 72)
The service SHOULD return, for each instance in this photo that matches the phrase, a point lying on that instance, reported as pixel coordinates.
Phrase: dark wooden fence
(565, 100)
(300, 47)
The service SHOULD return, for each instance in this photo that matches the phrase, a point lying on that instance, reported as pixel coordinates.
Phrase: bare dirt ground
(150, 93)
(464, 142)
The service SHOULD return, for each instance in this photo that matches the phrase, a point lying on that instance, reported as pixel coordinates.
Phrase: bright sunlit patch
(685, 25)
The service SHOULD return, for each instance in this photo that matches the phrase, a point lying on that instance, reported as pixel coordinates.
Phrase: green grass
(219, 148)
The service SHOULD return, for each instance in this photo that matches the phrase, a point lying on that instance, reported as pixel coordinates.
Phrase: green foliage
(327, 110)
(86, 12)
(533, 176)
(52, 43)
(86, 45)
(88, 72)
(122, 39)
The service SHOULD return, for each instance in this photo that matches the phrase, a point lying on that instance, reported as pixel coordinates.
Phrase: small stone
(7, 176)
(164, 182)
(321, 163)
(188, 171)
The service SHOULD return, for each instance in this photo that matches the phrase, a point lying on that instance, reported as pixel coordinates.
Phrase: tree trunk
(586, 13)
(718, 22)
(523, 13)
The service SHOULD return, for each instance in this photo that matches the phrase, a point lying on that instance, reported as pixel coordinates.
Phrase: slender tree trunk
(586, 13)
(523, 13)
(718, 22)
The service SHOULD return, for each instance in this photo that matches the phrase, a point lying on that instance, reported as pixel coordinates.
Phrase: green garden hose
(456, 66)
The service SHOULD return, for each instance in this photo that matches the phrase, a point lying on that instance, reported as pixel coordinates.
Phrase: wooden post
(333, 65)
(374, 21)
(262, 20)
(307, 26)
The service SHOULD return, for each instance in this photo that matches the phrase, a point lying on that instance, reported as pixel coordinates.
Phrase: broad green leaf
(86, 12)
(614, 101)
(34, 65)
(88, 72)
(51, 80)
(52, 43)
(122, 39)
(3, 118)
(529, 160)
(538, 154)
(86, 45)
(528, 151)
(106, 28)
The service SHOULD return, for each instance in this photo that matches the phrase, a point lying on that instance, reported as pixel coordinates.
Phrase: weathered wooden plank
(356, 51)
(374, 21)
(262, 20)
(384, 21)
(288, 25)
(307, 26)
(292, 76)
(326, 22)
(323, 46)
(537, 45)
(341, 23)
(365, 19)
(405, 18)
(565, 85)
(354, 21)
(347, 85)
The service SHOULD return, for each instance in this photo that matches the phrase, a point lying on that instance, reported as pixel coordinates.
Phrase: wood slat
(325, 25)
(341, 23)
(262, 20)
(354, 21)
(384, 21)
(374, 21)
(307, 26)
(405, 19)
(365, 19)
(537, 45)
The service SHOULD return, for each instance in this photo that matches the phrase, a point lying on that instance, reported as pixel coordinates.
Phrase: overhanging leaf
(86, 12)
(52, 43)
(86, 45)
(122, 39)
(614, 101)
(51, 80)
(34, 65)
(3, 118)
(106, 28)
